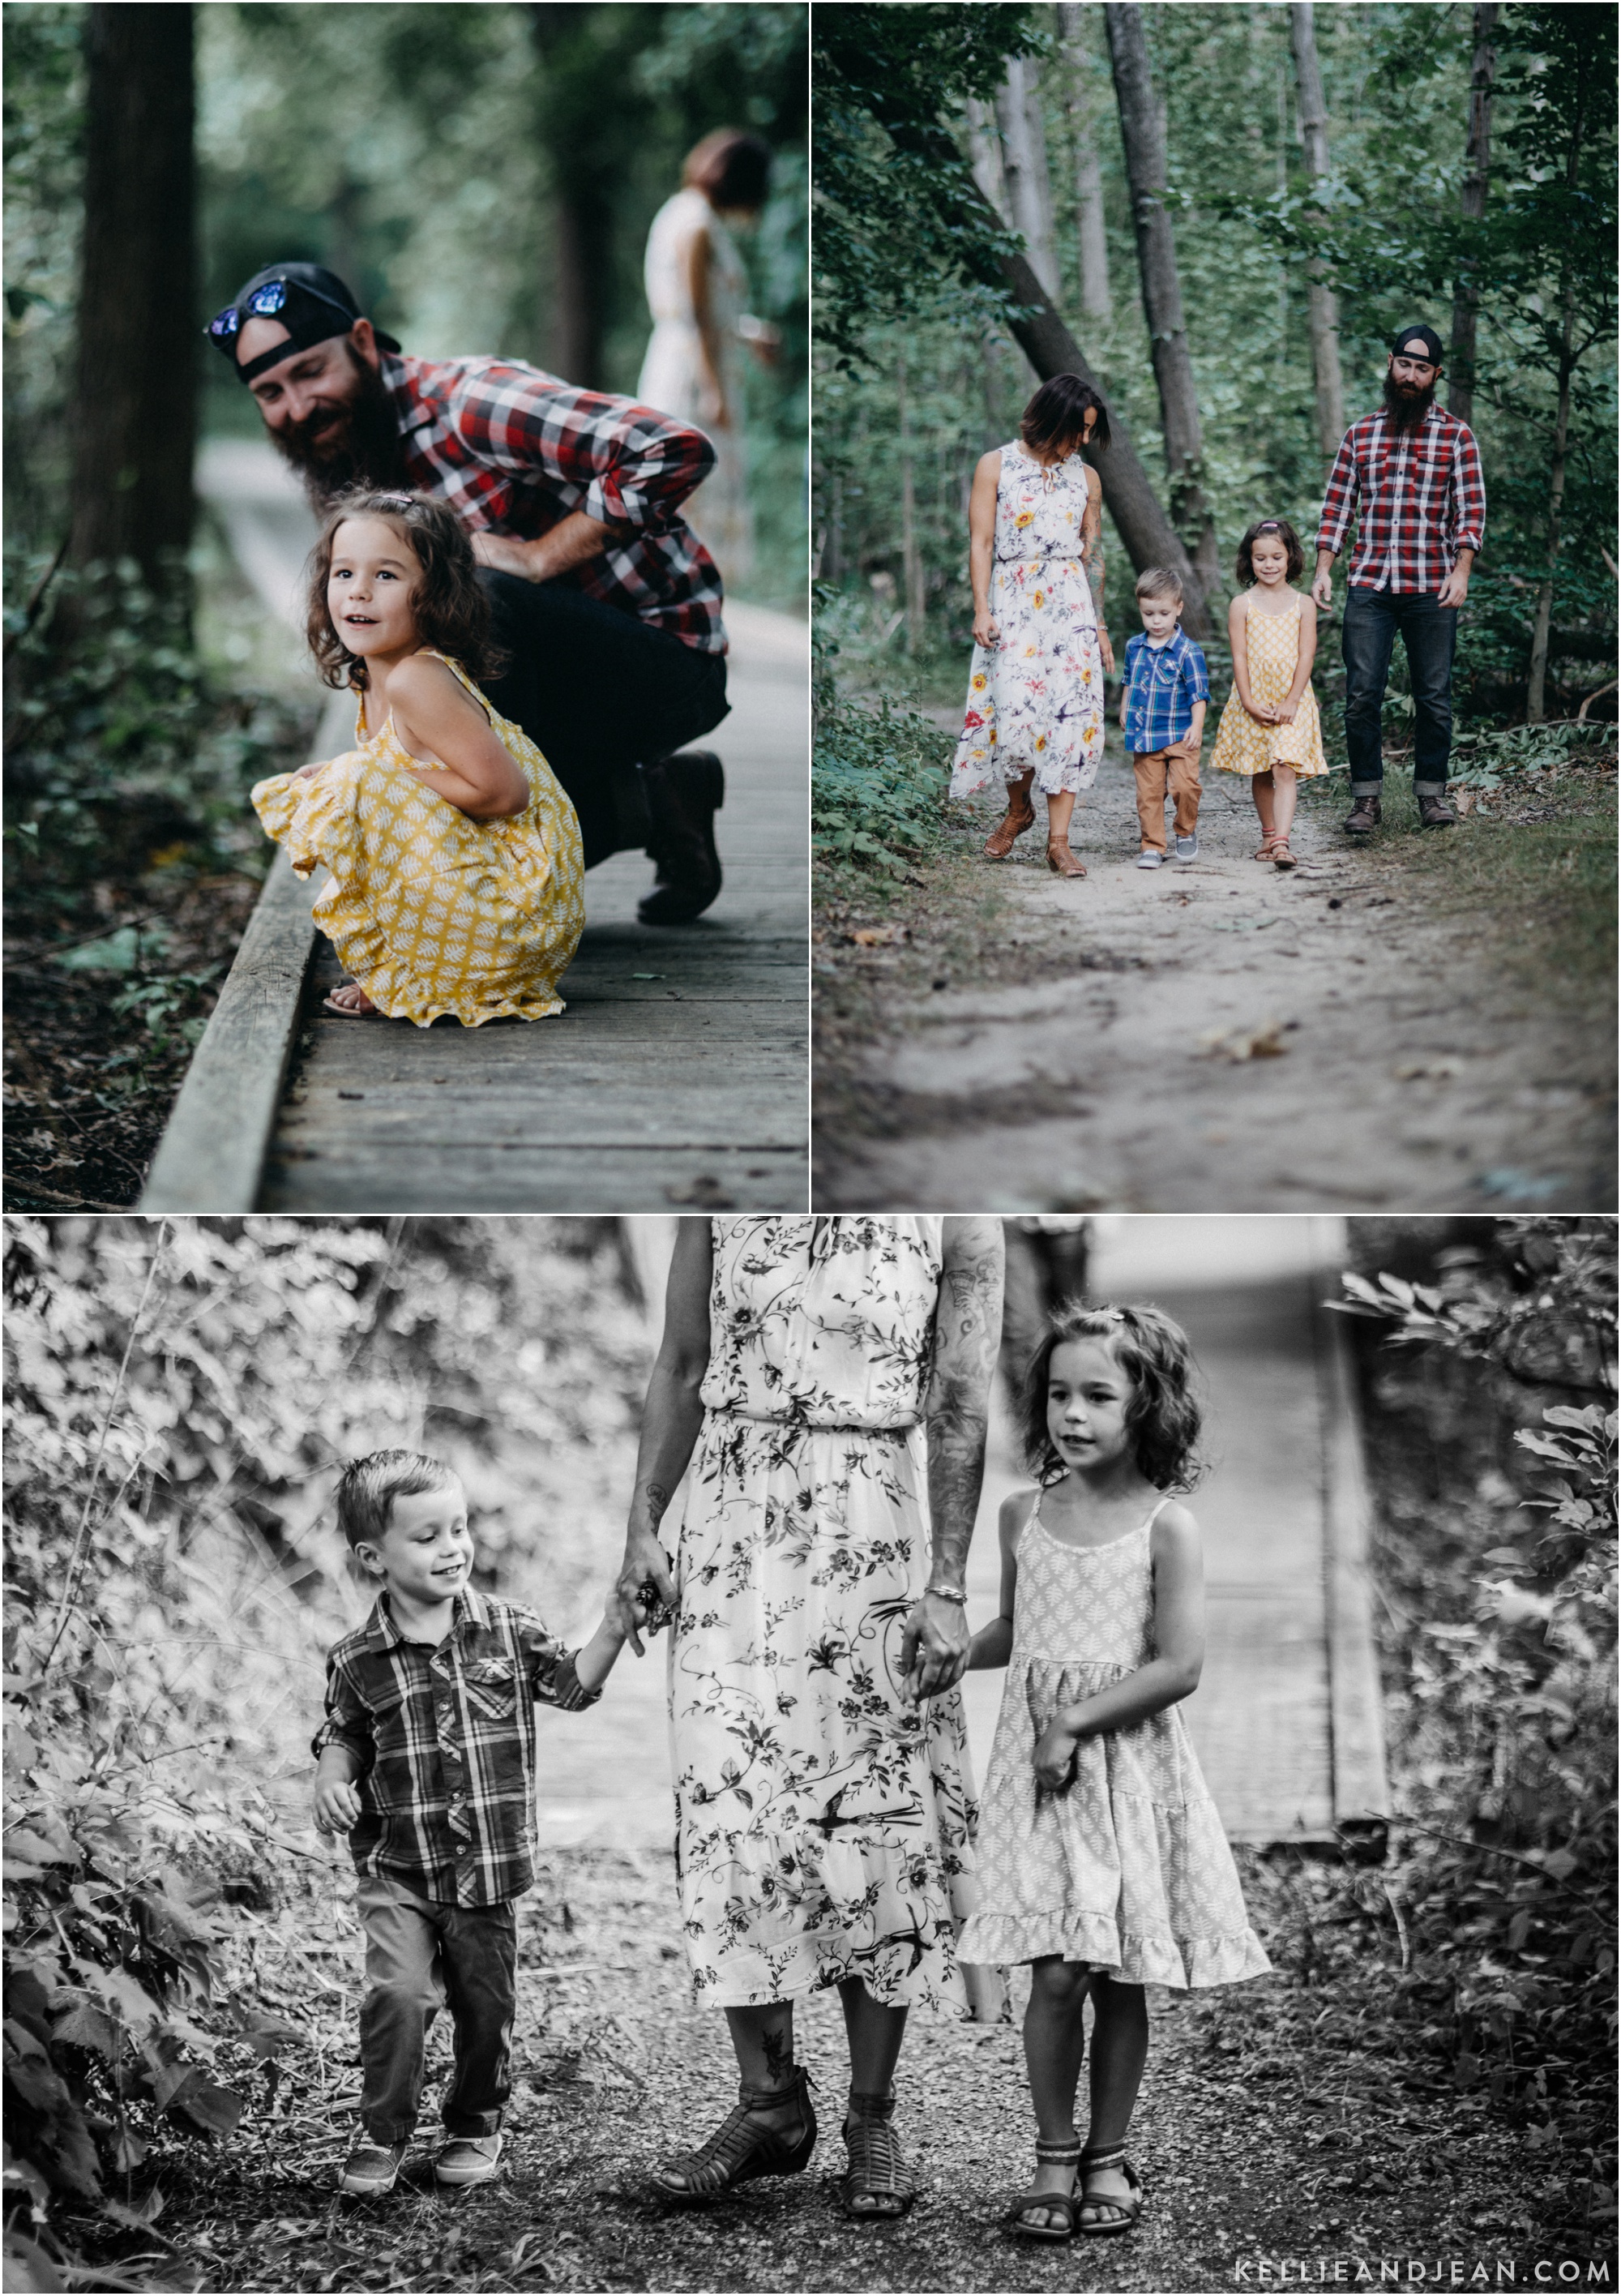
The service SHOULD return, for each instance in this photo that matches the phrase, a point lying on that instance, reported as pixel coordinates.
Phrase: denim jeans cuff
(1367, 789)
(473, 2124)
(1429, 789)
(390, 2132)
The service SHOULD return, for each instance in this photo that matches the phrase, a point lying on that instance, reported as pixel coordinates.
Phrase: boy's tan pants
(1154, 768)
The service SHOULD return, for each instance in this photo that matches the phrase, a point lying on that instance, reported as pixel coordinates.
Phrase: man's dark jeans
(601, 694)
(421, 1955)
(1429, 634)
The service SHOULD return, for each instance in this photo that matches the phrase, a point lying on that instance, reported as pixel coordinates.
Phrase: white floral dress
(1127, 1869)
(1035, 698)
(822, 1821)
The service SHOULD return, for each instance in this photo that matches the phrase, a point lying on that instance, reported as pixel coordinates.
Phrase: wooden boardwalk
(1287, 1718)
(677, 1075)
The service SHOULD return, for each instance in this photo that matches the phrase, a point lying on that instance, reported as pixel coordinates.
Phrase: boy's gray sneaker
(371, 2169)
(468, 2159)
(1149, 859)
(1187, 847)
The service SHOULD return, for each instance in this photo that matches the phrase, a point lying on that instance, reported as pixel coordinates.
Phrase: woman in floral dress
(1035, 712)
(823, 1804)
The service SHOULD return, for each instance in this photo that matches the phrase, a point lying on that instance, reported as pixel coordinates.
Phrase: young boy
(1162, 713)
(426, 1761)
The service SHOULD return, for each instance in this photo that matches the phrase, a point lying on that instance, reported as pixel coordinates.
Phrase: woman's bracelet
(948, 1594)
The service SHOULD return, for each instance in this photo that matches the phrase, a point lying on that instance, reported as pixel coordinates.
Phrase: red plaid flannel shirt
(1419, 500)
(516, 450)
(444, 1743)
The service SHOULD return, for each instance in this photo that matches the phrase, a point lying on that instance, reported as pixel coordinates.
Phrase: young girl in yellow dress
(1269, 727)
(457, 874)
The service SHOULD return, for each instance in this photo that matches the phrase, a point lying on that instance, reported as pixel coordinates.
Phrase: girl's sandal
(1019, 816)
(876, 2185)
(1123, 2214)
(1267, 847)
(1062, 862)
(350, 1012)
(744, 2146)
(1282, 857)
(1020, 2219)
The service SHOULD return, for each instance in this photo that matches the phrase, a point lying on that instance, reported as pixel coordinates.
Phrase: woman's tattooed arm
(670, 1420)
(1092, 545)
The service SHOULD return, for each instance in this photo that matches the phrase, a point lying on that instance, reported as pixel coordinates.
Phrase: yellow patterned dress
(431, 911)
(1244, 746)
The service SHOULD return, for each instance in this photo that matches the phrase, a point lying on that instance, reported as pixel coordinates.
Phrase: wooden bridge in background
(676, 1076)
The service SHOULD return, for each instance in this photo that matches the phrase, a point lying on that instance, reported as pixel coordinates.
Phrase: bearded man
(1411, 474)
(604, 603)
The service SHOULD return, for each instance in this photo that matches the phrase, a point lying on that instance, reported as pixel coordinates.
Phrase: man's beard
(363, 449)
(1404, 410)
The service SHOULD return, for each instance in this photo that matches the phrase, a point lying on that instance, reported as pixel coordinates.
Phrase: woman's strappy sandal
(877, 2175)
(1122, 2213)
(1020, 2219)
(743, 2147)
(1019, 816)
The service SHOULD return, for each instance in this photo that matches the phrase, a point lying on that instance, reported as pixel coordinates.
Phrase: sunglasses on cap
(266, 302)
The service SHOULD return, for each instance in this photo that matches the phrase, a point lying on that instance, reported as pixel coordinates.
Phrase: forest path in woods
(1280, 2120)
(1220, 1035)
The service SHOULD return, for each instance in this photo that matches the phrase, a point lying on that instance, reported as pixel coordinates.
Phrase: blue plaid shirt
(1162, 684)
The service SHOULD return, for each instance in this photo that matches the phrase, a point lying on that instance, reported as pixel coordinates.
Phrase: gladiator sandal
(744, 2146)
(1019, 816)
(1021, 2217)
(1061, 861)
(877, 2174)
(1122, 2213)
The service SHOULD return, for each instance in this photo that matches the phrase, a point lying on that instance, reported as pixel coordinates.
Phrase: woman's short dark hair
(730, 167)
(1243, 566)
(1057, 416)
(451, 611)
(1163, 1414)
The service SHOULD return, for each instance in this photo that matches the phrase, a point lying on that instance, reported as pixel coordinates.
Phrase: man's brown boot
(1363, 817)
(1435, 813)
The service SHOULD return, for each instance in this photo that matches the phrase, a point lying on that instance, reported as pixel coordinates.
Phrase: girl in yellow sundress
(457, 873)
(1269, 727)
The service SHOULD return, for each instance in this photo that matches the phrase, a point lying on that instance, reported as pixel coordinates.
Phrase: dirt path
(1215, 1035)
(1280, 2125)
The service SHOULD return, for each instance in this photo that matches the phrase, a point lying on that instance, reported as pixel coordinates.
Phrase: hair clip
(1110, 1315)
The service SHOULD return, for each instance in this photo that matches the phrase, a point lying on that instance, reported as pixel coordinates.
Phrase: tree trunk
(1024, 166)
(1478, 165)
(1096, 301)
(581, 193)
(136, 423)
(1142, 135)
(1324, 304)
(1537, 684)
(911, 564)
(1128, 493)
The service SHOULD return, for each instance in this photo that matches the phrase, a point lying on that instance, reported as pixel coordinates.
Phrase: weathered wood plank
(608, 1178)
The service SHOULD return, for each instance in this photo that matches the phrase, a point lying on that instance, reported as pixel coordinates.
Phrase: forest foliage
(182, 1396)
(917, 369)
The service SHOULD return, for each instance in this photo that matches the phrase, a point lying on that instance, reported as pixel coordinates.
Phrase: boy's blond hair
(369, 1486)
(1159, 582)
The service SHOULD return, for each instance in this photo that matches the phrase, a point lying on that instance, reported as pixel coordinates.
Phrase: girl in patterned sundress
(1035, 713)
(1101, 1859)
(457, 872)
(1269, 728)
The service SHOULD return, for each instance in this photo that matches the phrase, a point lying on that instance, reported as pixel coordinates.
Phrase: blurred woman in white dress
(692, 368)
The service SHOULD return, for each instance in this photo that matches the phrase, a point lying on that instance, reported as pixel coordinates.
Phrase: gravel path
(1224, 1034)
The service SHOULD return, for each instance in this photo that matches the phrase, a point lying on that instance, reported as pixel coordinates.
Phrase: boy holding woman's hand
(426, 1761)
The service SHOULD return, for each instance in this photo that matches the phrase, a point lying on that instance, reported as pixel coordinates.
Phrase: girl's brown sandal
(1021, 2217)
(1123, 2214)
(1282, 857)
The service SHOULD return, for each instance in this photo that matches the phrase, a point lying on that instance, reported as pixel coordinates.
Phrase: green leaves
(878, 787)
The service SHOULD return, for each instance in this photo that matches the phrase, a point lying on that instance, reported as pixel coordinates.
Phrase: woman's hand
(1055, 1754)
(1106, 653)
(337, 1806)
(985, 632)
(645, 1561)
(933, 1647)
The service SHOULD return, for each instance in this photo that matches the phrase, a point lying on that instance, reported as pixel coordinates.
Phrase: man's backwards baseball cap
(1425, 335)
(311, 303)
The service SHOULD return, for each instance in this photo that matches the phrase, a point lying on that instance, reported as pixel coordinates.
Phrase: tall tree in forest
(136, 412)
(899, 213)
(582, 187)
(1143, 133)
(1024, 167)
(1476, 171)
(1323, 303)
(1096, 301)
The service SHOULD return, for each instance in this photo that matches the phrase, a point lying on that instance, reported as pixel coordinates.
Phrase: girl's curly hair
(451, 611)
(1243, 565)
(1163, 1414)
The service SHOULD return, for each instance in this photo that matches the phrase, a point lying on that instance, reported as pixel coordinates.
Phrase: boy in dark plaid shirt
(426, 1761)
